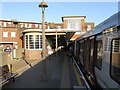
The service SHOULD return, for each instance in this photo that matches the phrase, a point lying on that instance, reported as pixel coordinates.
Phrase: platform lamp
(43, 5)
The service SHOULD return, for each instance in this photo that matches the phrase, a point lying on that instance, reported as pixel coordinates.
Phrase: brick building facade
(77, 23)
(24, 38)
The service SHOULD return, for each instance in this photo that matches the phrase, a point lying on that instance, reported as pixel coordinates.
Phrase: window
(48, 27)
(115, 60)
(21, 25)
(26, 38)
(77, 25)
(115, 46)
(81, 48)
(107, 44)
(4, 24)
(99, 50)
(89, 27)
(74, 24)
(91, 50)
(40, 26)
(36, 25)
(13, 34)
(29, 25)
(5, 34)
(33, 41)
(68, 24)
(26, 25)
(9, 23)
(0, 24)
(58, 27)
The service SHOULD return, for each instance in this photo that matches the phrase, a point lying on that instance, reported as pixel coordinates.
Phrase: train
(97, 53)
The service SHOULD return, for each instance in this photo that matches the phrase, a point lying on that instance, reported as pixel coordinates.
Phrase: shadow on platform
(58, 74)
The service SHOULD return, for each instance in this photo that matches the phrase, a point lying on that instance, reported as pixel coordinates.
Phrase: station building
(24, 39)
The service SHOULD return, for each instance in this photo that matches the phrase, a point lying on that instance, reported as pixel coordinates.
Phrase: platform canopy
(67, 32)
(59, 37)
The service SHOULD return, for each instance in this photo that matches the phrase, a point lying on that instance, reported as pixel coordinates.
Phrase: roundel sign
(8, 49)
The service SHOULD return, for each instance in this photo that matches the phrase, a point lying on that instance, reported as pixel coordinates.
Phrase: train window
(107, 44)
(91, 50)
(77, 50)
(115, 59)
(99, 50)
(81, 48)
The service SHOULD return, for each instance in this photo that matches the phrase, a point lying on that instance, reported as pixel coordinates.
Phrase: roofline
(58, 23)
(89, 22)
(72, 17)
(50, 30)
(20, 21)
(28, 22)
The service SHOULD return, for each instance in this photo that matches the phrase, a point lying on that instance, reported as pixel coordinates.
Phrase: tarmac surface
(61, 72)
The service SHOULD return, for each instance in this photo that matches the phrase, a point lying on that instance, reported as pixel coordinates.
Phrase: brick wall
(9, 38)
(32, 54)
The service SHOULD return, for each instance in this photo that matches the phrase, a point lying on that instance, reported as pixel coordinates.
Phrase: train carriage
(98, 53)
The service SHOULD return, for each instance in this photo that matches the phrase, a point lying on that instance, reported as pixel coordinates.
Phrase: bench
(6, 74)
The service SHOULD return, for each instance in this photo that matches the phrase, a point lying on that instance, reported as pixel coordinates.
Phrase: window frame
(5, 34)
(98, 38)
(91, 48)
(36, 42)
(96, 52)
(111, 50)
(13, 34)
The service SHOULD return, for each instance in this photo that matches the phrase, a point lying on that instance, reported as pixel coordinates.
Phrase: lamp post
(43, 5)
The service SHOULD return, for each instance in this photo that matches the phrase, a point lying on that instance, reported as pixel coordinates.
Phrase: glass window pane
(36, 36)
(36, 46)
(31, 37)
(99, 50)
(34, 41)
(31, 46)
(5, 34)
(13, 34)
(115, 67)
(91, 50)
(31, 41)
(26, 38)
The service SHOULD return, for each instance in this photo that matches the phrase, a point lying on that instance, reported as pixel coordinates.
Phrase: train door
(87, 54)
(81, 52)
(91, 57)
(84, 53)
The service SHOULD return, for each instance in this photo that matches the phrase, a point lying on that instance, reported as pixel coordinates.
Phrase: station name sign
(7, 50)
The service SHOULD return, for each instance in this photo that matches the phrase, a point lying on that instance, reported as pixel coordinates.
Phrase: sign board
(7, 47)
(7, 50)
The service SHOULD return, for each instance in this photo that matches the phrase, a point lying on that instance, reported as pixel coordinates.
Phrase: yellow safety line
(78, 77)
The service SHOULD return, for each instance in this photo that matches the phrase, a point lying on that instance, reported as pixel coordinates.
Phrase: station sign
(8, 49)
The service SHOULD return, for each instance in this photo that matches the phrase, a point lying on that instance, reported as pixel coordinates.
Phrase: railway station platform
(61, 70)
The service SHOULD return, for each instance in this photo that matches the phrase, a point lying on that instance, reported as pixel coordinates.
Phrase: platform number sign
(8, 49)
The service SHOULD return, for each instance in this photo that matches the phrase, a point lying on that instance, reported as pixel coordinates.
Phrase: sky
(29, 11)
